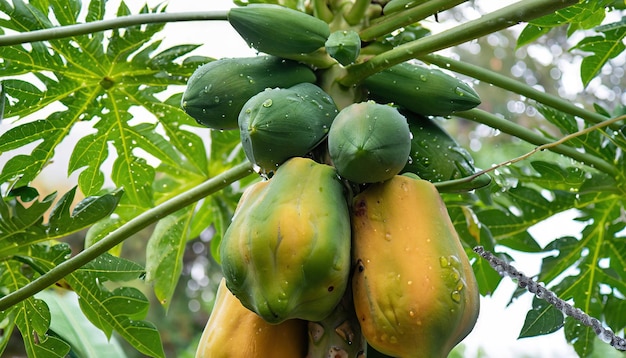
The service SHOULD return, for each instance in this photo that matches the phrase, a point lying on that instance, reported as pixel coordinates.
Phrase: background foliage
(143, 150)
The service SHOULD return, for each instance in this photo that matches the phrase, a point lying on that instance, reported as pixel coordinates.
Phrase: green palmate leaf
(615, 313)
(164, 253)
(519, 208)
(31, 316)
(585, 15)
(542, 319)
(609, 44)
(69, 323)
(88, 78)
(22, 226)
(121, 310)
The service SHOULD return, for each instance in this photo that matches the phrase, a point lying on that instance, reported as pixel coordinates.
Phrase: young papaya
(217, 91)
(344, 46)
(278, 30)
(286, 253)
(414, 290)
(281, 123)
(369, 142)
(422, 90)
(235, 331)
(436, 156)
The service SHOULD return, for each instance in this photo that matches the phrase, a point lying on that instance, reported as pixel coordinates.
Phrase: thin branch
(528, 135)
(102, 25)
(505, 269)
(127, 230)
(500, 19)
(488, 76)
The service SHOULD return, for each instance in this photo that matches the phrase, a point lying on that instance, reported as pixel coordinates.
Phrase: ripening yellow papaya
(235, 331)
(414, 290)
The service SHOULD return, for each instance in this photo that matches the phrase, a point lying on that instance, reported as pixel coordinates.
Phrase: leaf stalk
(528, 135)
(495, 21)
(109, 24)
(127, 230)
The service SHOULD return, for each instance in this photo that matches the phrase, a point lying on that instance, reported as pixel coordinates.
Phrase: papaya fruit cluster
(345, 248)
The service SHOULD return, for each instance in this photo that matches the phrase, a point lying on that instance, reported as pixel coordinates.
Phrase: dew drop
(456, 296)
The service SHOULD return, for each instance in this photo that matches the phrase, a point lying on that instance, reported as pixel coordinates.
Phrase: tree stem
(528, 135)
(127, 230)
(102, 25)
(512, 85)
(521, 11)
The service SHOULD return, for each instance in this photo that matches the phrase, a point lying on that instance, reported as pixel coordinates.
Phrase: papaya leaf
(615, 313)
(542, 319)
(69, 323)
(607, 45)
(164, 253)
(122, 309)
(100, 77)
(584, 15)
(22, 226)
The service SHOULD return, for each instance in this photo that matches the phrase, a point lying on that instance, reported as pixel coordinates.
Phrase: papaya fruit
(426, 91)
(280, 123)
(436, 156)
(369, 142)
(278, 30)
(286, 253)
(344, 46)
(217, 91)
(235, 331)
(415, 293)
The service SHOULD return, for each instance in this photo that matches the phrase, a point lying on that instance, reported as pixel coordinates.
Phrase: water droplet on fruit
(456, 296)
(267, 103)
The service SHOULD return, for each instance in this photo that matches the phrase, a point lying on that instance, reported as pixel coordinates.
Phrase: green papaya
(281, 123)
(369, 142)
(278, 30)
(422, 90)
(414, 290)
(436, 156)
(344, 46)
(286, 253)
(217, 91)
(235, 331)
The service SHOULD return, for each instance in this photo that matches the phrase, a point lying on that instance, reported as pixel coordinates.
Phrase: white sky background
(498, 326)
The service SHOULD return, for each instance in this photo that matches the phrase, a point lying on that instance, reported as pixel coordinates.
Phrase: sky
(498, 325)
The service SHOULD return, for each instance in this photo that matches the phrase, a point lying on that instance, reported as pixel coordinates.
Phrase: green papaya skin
(369, 142)
(281, 123)
(217, 91)
(436, 156)
(344, 46)
(286, 253)
(425, 91)
(278, 30)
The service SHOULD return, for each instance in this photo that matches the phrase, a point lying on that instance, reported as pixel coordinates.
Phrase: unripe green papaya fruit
(235, 331)
(216, 91)
(435, 156)
(286, 253)
(414, 290)
(281, 123)
(344, 46)
(279, 30)
(369, 142)
(422, 90)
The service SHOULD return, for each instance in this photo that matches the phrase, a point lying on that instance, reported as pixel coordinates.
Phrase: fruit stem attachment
(109, 24)
(321, 10)
(500, 19)
(386, 24)
(515, 86)
(528, 135)
(125, 231)
(357, 11)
